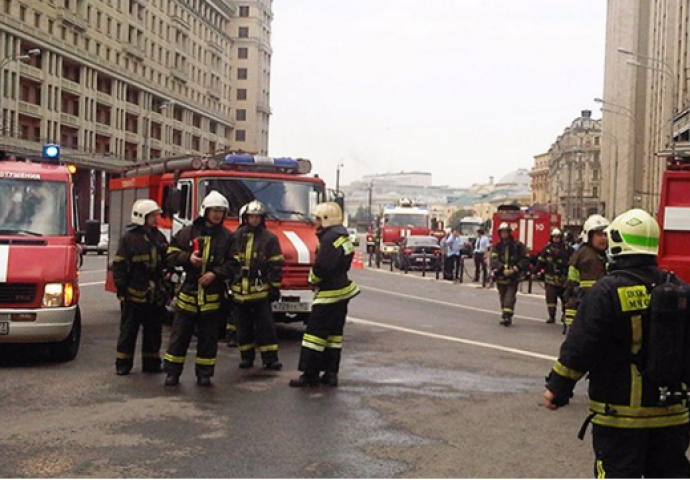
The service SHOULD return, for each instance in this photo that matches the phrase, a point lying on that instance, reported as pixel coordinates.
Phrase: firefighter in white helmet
(257, 261)
(587, 264)
(552, 263)
(619, 340)
(508, 259)
(138, 271)
(203, 250)
(323, 339)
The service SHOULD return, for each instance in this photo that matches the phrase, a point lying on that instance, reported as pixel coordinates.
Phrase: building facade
(124, 81)
(540, 179)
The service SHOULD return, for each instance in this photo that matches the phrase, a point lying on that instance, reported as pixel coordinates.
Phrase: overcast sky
(464, 89)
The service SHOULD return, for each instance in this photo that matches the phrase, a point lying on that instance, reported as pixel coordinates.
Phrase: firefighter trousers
(640, 452)
(553, 293)
(150, 318)
(256, 329)
(184, 325)
(507, 293)
(322, 343)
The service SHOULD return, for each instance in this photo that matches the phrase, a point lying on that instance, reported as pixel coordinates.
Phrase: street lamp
(21, 57)
(337, 175)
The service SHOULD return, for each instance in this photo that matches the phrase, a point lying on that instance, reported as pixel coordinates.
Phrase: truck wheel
(67, 349)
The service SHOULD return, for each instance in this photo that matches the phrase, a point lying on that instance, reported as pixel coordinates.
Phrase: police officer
(138, 274)
(633, 434)
(508, 259)
(587, 265)
(203, 250)
(323, 339)
(257, 276)
(553, 260)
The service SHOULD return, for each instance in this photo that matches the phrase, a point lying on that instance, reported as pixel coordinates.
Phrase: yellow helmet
(329, 213)
(141, 209)
(634, 232)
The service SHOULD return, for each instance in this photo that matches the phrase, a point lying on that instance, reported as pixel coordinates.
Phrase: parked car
(353, 236)
(102, 246)
(416, 251)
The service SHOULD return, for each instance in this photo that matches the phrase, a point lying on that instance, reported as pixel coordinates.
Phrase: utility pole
(337, 175)
(371, 188)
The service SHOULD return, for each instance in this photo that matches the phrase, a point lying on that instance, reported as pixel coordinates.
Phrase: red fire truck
(399, 221)
(39, 257)
(531, 228)
(674, 217)
(281, 184)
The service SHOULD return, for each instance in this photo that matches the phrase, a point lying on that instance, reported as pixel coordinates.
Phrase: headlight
(58, 295)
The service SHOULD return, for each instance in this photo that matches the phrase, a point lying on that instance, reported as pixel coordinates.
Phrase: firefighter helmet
(504, 226)
(556, 232)
(254, 207)
(634, 232)
(329, 213)
(592, 224)
(141, 209)
(214, 199)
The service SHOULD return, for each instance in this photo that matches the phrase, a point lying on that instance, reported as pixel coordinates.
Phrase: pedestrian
(138, 273)
(635, 433)
(553, 261)
(323, 339)
(508, 259)
(202, 249)
(481, 248)
(587, 265)
(257, 276)
(451, 244)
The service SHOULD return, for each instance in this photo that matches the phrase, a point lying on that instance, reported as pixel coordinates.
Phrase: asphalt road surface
(431, 386)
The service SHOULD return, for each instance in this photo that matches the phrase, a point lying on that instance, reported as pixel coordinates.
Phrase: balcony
(216, 47)
(104, 97)
(30, 108)
(213, 93)
(155, 143)
(263, 107)
(30, 71)
(180, 76)
(134, 51)
(132, 108)
(103, 129)
(70, 86)
(73, 20)
(67, 119)
(180, 23)
(131, 137)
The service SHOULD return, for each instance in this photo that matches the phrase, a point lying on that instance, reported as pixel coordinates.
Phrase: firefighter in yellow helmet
(203, 250)
(323, 339)
(508, 259)
(257, 276)
(635, 432)
(587, 264)
(552, 261)
(138, 270)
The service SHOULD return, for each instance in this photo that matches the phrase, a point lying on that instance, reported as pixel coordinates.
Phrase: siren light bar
(282, 164)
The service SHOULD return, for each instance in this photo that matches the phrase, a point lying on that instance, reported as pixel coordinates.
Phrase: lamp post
(21, 57)
(337, 175)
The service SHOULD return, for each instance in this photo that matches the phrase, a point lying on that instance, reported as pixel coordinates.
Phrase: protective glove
(273, 294)
(121, 293)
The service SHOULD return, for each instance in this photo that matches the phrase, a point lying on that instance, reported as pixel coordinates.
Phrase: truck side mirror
(173, 203)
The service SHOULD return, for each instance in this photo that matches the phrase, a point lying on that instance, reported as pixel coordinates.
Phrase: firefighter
(138, 271)
(587, 265)
(634, 435)
(203, 250)
(553, 261)
(508, 259)
(323, 339)
(257, 276)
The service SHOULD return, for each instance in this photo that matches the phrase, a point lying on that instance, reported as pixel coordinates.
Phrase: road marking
(447, 304)
(492, 346)
(90, 284)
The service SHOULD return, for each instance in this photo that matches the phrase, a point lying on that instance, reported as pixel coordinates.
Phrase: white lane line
(447, 304)
(90, 284)
(492, 346)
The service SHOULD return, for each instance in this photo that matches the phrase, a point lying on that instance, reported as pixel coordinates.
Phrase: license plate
(4, 328)
(291, 307)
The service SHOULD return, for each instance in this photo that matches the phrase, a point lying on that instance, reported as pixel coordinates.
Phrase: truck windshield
(33, 207)
(405, 220)
(468, 229)
(283, 200)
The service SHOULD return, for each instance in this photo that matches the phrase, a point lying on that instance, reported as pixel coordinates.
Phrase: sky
(464, 89)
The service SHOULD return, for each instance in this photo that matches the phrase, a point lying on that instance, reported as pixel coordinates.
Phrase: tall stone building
(540, 179)
(123, 81)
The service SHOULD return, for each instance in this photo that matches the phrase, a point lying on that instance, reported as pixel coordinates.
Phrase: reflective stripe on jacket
(333, 260)
(257, 264)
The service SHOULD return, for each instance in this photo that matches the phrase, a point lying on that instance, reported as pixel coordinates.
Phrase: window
(244, 11)
(241, 94)
(242, 73)
(595, 192)
(243, 52)
(241, 115)
(240, 135)
(243, 32)
(22, 13)
(37, 20)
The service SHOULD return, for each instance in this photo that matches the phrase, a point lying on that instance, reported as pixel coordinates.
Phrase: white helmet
(592, 224)
(141, 209)
(329, 213)
(254, 207)
(214, 199)
(556, 232)
(504, 226)
(634, 232)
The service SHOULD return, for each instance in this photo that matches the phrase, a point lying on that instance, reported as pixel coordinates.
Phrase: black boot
(204, 381)
(247, 363)
(123, 370)
(503, 320)
(273, 365)
(329, 379)
(509, 320)
(172, 380)
(551, 320)
(305, 381)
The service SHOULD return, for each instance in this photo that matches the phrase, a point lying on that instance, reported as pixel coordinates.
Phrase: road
(431, 386)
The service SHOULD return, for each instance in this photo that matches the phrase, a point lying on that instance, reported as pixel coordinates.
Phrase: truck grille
(17, 293)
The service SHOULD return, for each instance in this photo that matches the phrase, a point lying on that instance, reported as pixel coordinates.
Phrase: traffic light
(51, 151)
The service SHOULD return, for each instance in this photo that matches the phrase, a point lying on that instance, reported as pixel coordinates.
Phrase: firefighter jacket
(506, 255)
(257, 264)
(608, 340)
(139, 264)
(329, 273)
(214, 243)
(587, 265)
(553, 259)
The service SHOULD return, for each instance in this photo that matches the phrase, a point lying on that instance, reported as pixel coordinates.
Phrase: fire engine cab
(531, 228)
(674, 217)
(399, 221)
(281, 184)
(39, 257)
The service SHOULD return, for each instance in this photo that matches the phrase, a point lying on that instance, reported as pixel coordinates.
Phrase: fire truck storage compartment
(121, 202)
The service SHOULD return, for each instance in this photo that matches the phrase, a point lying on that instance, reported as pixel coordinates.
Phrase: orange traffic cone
(358, 260)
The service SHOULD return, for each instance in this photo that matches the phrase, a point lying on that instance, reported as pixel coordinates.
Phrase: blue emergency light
(51, 151)
(283, 164)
